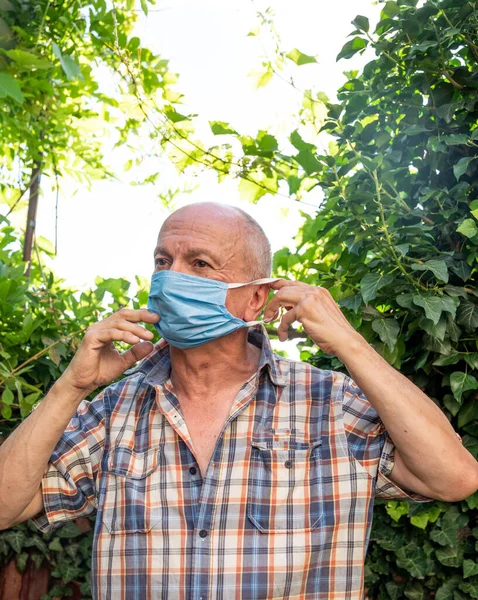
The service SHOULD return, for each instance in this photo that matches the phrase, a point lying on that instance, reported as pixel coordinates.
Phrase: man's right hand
(97, 361)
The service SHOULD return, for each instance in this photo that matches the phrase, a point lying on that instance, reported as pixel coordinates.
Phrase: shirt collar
(157, 366)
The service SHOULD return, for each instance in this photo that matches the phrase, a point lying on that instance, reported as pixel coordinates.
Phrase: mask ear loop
(255, 282)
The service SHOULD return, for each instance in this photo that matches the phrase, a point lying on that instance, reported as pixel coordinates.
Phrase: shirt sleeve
(370, 444)
(69, 482)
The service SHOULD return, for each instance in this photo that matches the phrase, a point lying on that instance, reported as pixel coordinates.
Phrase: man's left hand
(318, 312)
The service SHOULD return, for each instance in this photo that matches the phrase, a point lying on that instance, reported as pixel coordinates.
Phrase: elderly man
(218, 469)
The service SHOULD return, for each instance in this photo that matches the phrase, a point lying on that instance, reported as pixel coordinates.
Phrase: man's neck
(202, 372)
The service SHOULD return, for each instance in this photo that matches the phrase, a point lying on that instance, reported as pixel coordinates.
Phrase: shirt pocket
(285, 486)
(132, 491)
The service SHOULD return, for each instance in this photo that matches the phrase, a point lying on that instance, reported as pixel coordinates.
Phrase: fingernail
(268, 320)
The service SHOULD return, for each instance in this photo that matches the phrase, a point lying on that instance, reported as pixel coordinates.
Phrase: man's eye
(201, 264)
(160, 262)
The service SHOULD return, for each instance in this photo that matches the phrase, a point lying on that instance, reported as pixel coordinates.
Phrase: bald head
(230, 233)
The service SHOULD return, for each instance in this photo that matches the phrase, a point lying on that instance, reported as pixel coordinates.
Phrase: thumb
(137, 352)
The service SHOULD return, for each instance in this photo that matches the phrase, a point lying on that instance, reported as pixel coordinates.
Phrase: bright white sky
(110, 230)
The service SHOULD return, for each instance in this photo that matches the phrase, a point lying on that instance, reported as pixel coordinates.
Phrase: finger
(280, 283)
(286, 297)
(138, 330)
(137, 352)
(287, 319)
(135, 316)
(116, 335)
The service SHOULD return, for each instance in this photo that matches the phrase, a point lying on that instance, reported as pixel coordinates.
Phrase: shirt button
(193, 470)
(203, 533)
(288, 464)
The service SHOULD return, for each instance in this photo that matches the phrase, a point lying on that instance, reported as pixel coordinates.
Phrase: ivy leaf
(468, 315)
(16, 539)
(462, 165)
(413, 559)
(434, 306)
(451, 556)
(462, 382)
(468, 413)
(468, 228)
(437, 267)
(388, 330)
(371, 283)
(352, 47)
(9, 87)
(461, 269)
(450, 524)
(299, 58)
(470, 568)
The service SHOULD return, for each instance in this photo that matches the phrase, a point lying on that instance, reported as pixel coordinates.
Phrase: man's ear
(257, 302)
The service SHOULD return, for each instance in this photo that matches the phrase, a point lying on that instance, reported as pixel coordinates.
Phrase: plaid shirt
(283, 511)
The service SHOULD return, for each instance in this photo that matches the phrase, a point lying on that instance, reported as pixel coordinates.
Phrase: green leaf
(468, 228)
(434, 306)
(21, 561)
(70, 67)
(448, 527)
(7, 396)
(456, 139)
(468, 315)
(462, 382)
(388, 330)
(9, 87)
(174, 116)
(462, 166)
(351, 302)
(394, 589)
(461, 269)
(413, 559)
(471, 588)
(299, 58)
(468, 413)
(144, 6)
(451, 556)
(470, 568)
(262, 79)
(6, 412)
(371, 283)
(221, 128)
(16, 539)
(28, 59)
(352, 47)
(437, 267)
(361, 23)
(397, 509)
(308, 161)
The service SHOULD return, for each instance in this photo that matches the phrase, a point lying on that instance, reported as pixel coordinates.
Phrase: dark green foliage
(396, 243)
(41, 325)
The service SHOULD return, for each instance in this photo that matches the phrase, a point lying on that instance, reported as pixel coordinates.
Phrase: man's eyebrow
(163, 251)
(193, 253)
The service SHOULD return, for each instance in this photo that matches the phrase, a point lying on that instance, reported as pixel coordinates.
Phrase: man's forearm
(423, 436)
(25, 454)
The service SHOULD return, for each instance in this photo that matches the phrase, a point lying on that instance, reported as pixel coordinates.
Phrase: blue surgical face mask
(193, 309)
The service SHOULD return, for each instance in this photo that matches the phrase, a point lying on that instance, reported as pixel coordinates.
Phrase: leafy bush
(41, 325)
(396, 242)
